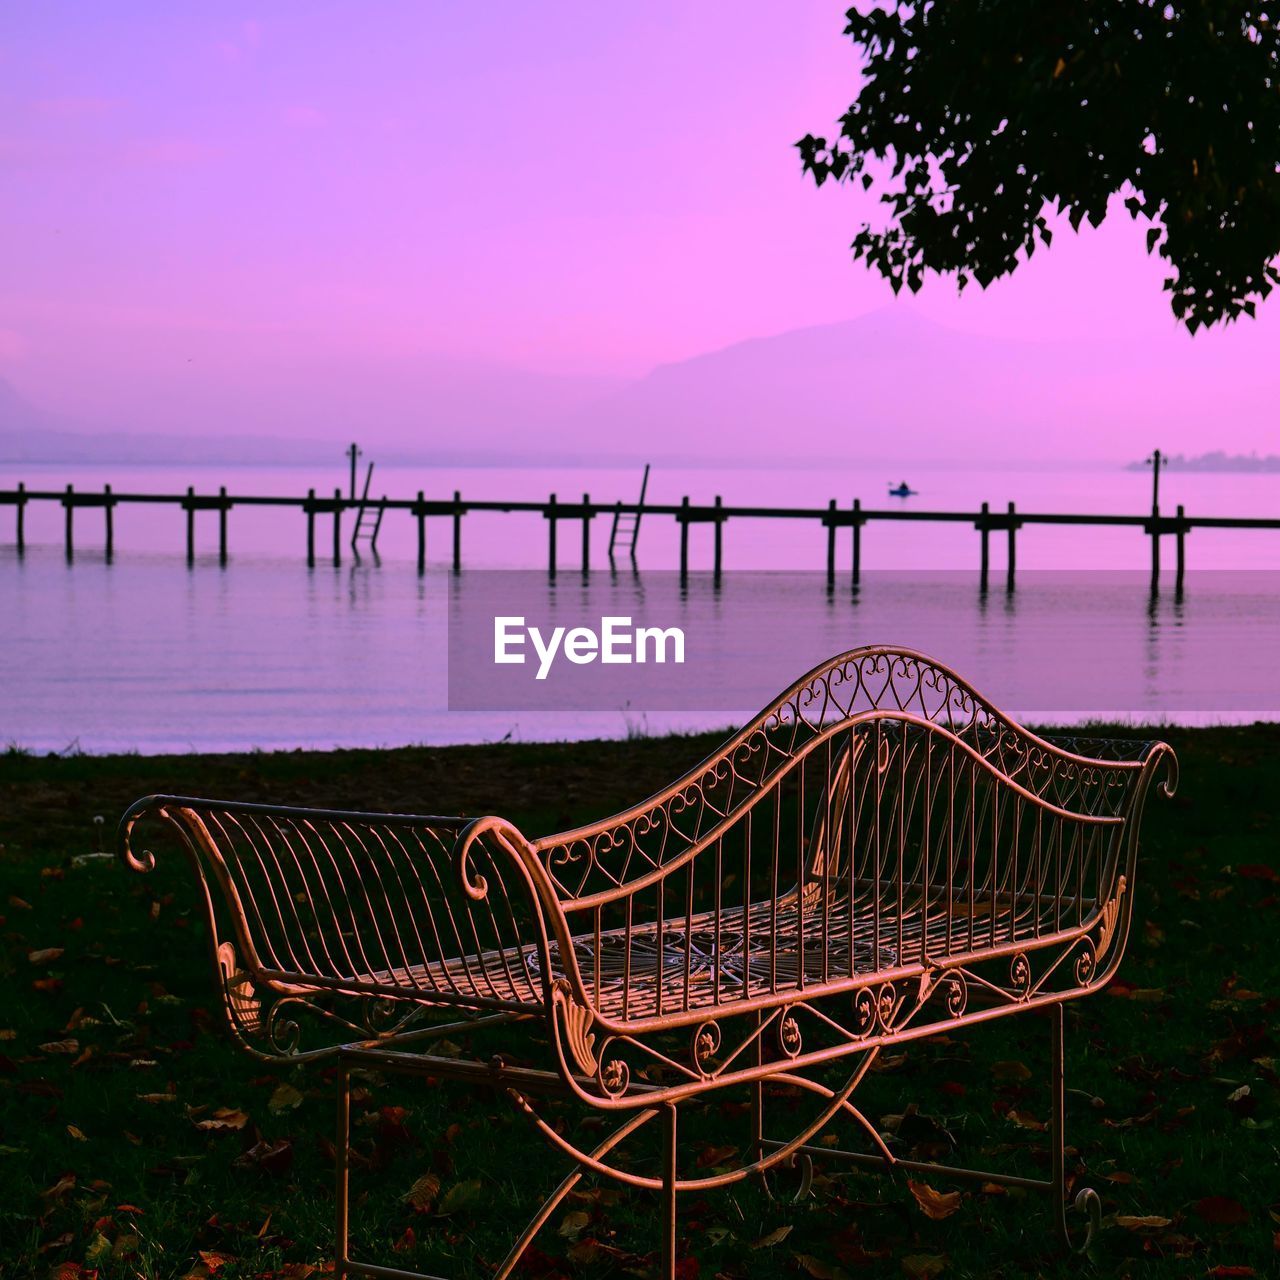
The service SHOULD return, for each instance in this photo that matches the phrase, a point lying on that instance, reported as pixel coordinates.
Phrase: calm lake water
(146, 654)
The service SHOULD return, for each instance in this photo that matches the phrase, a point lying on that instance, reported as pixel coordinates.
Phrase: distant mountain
(890, 387)
(894, 386)
(439, 412)
(28, 434)
(18, 415)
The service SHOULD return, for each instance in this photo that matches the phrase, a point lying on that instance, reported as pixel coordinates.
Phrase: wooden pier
(833, 517)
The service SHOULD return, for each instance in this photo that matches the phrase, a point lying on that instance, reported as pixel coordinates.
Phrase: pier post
(311, 528)
(222, 525)
(1182, 551)
(1155, 557)
(719, 541)
(457, 531)
(191, 524)
(422, 537)
(857, 541)
(22, 517)
(986, 549)
(552, 517)
(831, 544)
(108, 507)
(69, 502)
(683, 517)
(1012, 566)
(337, 526)
(586, 533)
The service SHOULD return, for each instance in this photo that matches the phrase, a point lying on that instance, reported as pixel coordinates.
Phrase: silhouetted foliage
(978, 119)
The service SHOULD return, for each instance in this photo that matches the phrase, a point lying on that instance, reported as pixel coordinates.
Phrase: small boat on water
(904, 490)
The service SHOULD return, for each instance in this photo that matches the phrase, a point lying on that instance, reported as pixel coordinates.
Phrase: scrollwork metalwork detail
(706, 1044)
(790, 1037)
(1020, 976)
(1086, 962)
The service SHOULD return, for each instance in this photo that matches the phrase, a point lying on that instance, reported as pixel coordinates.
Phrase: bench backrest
(604, 856)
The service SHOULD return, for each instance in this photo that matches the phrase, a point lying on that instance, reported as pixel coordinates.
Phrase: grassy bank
(135, 1140)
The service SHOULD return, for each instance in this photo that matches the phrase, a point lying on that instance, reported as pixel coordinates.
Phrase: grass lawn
(134, 1140)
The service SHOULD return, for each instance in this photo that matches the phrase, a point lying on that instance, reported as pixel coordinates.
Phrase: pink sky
(203, 195)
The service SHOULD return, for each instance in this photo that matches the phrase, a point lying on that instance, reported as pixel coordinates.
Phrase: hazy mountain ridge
(890, 386)
(895, 386)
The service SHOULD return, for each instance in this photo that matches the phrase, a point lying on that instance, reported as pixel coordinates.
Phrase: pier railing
(834, 517)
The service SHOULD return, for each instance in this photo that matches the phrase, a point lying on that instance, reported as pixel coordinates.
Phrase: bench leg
(341, 1149)
(757, 1104)
(1086, 1200)
(669, 1136)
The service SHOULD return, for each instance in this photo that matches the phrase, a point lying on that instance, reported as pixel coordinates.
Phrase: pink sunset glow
(290, 221)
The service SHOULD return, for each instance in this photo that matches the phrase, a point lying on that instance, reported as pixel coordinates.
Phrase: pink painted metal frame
(880, 855)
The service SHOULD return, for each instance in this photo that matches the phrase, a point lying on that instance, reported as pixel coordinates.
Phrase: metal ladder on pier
(368, 517)
(626, 524)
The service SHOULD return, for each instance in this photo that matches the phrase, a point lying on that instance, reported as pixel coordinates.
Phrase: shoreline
(1139, 730)
(541, 786)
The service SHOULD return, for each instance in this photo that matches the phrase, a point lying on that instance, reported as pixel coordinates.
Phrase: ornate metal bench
(879, 856)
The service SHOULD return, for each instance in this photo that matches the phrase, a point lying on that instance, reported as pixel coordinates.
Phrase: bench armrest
(356, 910)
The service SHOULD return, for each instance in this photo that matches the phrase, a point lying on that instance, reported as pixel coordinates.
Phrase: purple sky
(205, 197)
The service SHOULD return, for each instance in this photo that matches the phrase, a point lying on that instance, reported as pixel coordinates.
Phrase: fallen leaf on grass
(776, 1236)
(460, 1196)
(1257, 871)
(1132, 1222)
(224, 1120)
(936, 1204)
(574, 1223)
(1226, 1271)
(710, 1156)
(588, 1251)
(818, 1269)
(98, 1250)
(285, 1097)
(1221, 1211)
(1130, 1122)
(1011, 1072)
(422, 1195)
(77, 1134)
(45, 955)
(923, 1266)
(269, 1157)
(1025, 1121)
(61, 1046)
(215, 1261)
